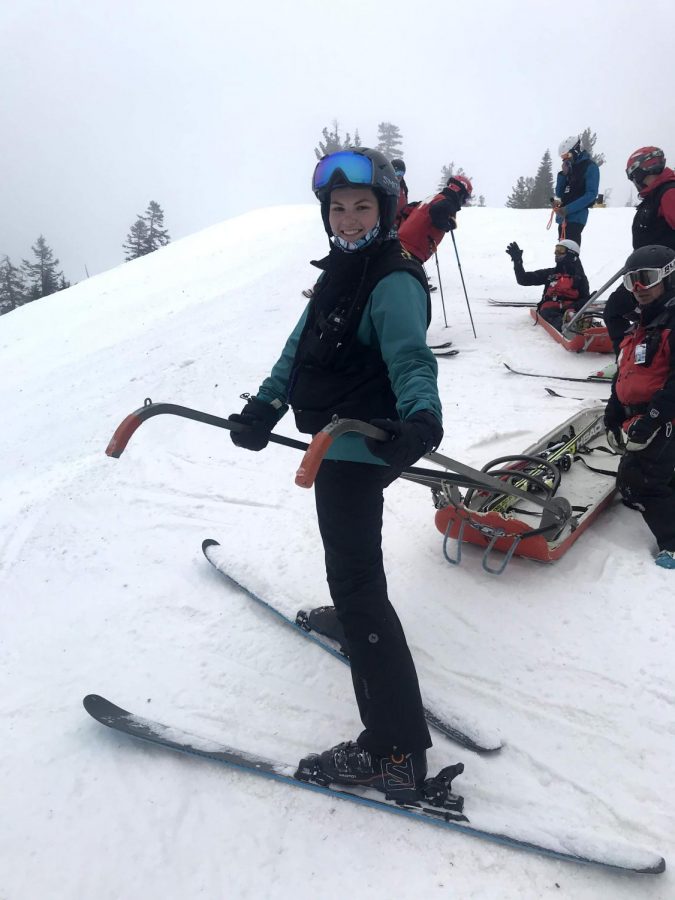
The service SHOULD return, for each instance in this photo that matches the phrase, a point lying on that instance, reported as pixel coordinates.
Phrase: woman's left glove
(410, 439)
(259, 418)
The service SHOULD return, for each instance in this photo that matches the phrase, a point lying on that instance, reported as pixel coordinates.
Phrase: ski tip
(209, 542)
(657, 868)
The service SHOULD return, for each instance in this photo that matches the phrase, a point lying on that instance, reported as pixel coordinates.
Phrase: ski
(531, 304)
(471, 738)
(437, 805)
(598, 377)
(553, 393)
(445, 354)
(440, 346)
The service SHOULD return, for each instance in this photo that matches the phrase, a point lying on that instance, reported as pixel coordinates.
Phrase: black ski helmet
(346, 168)
(398, 165)
(654, 256)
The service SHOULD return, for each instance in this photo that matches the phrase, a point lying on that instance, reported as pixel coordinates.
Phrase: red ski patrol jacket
(560, 293)
(429, 222)
(646, 368)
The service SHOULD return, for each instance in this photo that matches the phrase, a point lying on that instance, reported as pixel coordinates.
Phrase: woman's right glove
(515, 252)
(259, 418)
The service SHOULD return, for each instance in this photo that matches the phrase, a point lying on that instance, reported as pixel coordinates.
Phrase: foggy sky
(214, 108)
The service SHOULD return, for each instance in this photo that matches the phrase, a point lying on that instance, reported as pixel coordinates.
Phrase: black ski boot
(400, 778)
(324, 621)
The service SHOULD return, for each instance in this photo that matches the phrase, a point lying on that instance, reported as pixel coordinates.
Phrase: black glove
(642, 432)
(515, 253)
(614, 418)
(410, 439)
(259, 418)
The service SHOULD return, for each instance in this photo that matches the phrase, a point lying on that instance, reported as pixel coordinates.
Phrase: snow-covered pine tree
(588, 139)
(389, 140)
(542, 187)
(136, 241)
(520, 195)
(41, 276)
(156, 234)
(12, 287)
(332, 141)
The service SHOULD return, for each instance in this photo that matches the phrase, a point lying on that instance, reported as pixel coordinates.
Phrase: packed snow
(105, 590)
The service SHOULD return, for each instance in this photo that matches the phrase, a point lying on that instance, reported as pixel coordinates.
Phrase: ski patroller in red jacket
(566, 284)
(654, 221)
(428, 223)
(646, 366)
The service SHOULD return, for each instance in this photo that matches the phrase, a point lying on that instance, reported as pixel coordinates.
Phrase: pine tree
(389, 140)
(542, 187)
(332, 142)
(353, 143)
(41, 276)
(12, 288)
(157, 235)
(520, 196)
(136, 242)
(588, 139)
(481, 200)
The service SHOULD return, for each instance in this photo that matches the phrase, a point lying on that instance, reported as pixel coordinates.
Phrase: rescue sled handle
(470, 477)
(568, 328)
(128, 426)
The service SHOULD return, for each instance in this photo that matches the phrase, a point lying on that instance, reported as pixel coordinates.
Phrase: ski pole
(461, 275)
(440, 285)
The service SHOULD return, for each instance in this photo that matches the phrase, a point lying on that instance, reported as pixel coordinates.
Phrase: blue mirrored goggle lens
(356, 169)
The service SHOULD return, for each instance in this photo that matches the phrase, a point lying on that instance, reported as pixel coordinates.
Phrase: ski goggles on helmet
(643, 279)
(342, 167)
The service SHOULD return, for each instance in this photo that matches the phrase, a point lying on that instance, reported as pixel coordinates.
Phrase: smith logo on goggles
(643, 279)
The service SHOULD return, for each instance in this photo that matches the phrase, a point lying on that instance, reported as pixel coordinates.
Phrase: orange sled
(593, 339)
(588, 475)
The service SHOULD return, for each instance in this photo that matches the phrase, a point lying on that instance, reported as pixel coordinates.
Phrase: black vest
(576, 183)
(648, 226)
(333, 373)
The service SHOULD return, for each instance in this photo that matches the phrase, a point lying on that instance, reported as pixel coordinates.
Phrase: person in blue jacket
(359, 351)
(576, 188)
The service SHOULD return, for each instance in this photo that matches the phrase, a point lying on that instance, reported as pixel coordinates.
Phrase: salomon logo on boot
(398, 777)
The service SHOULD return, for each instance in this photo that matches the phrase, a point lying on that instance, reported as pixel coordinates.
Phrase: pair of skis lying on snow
(436, 803)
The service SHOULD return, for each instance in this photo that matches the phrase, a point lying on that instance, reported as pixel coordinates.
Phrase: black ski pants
(572, 231)
(645, 479)
(349, 504)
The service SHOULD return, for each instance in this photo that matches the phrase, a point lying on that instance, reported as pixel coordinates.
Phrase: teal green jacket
(395, 320)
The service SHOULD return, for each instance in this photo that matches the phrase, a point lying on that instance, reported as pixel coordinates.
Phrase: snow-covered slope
(104, 589)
